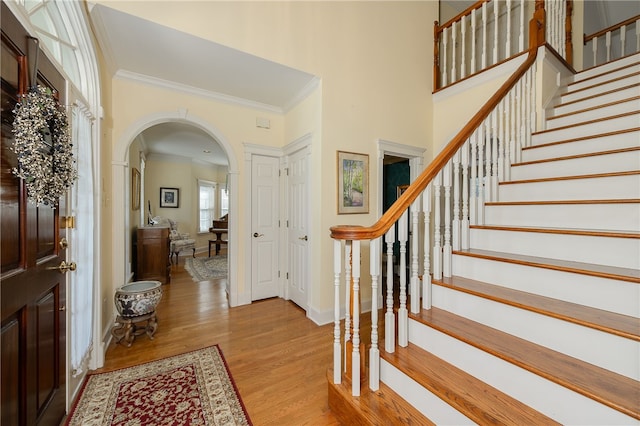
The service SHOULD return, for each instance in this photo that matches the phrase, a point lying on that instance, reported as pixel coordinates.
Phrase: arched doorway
(121, 199)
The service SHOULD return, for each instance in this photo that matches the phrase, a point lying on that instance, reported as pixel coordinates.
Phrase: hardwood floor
(277, 357)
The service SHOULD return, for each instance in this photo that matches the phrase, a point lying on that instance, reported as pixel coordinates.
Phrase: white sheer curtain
(81, 291)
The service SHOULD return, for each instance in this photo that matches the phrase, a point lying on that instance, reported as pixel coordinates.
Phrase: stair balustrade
(454, 188)
(612, 43)
(493, 31)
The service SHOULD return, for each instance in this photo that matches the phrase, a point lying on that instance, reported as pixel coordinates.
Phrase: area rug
(206, 268)
(195, 388)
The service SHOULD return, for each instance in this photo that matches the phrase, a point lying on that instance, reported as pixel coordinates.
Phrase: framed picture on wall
(353, 183)
(169, 197)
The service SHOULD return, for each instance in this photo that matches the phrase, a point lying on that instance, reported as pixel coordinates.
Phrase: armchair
(177, 241)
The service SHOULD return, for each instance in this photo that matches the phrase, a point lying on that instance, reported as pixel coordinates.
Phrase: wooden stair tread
(603, 271)
(571, 92)
(563, 231)
(381, 407)
(614, 390)
(582, 123)
(588, 176)
(573, 157)
(594, 108)
(619, 89)
(579, 80)
(472, 397)
(582, 138)
(563, 202)
(608, 322)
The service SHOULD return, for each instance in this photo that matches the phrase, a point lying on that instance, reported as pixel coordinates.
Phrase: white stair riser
(605, 163)
(427, 403)
(606, 111)
(612, 216)
(531, 389)
(596, 101)
(620, 252)
(600, 88)
(584, 146)
(623, 297)
(603, 78)
(605, 68)
(582, 130)
(600, 188)
(605, 350)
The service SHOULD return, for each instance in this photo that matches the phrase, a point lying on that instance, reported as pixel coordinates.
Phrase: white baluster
(337, 348)
(445, 42)
(454, 37)
(507, 47)
(473, 192)
(355, 355)
(496, 31)
(437, 243)
(532, 104)
(507, 138)
(518, 112)
(463, 53)
(527, 107)
(481, 177)
(403, 318)
(494, 155)
(389, 316)
(522, 27)
(484, 35)
(623, 39)
(638, 35)
(608, 44)
(415, 280)
(464, 237)
(446, 248)
(501, 139)
(488, 162)
(426, 277)
(455, 224)
(523, 117)
(594, 48)
(512, 134)
(374, 352)
(347, 299)
(473, 41)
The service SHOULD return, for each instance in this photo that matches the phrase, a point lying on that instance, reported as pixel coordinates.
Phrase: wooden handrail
(611, 28)
(391, 216)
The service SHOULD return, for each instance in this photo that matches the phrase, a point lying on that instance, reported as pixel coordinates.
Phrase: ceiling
(142, 50)
(145, 51)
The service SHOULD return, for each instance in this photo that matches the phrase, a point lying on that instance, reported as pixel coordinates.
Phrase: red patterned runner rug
(195, 388)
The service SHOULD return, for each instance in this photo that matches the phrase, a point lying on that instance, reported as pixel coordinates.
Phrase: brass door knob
(63, 267)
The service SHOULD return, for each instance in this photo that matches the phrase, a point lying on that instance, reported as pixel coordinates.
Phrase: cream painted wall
(374, 60)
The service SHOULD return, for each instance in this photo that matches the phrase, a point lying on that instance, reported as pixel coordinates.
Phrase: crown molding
(190, 90)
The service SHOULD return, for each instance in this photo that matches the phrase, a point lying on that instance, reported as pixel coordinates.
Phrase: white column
(374, 352)
(426, 276)
(337, 349)
(389, 316)
(355, 356)
(403, 319)
(415, 280)
(437, 238)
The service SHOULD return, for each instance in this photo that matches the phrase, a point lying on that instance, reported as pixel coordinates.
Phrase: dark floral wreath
(43, 146)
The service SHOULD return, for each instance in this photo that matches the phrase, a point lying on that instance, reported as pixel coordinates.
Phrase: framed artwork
(353, 183)
(135, 189)
(400, 190)
(169, 197)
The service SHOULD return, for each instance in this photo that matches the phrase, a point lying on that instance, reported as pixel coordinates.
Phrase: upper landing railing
(612, 43)
(492, 31)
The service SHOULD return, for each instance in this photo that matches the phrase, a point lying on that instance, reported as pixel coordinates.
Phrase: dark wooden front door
(33, 301)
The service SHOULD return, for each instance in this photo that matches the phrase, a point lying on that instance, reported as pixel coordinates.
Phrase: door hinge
(67, 222)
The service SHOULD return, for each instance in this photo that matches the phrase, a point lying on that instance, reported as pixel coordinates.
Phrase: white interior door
(265, 199)
(298, 230)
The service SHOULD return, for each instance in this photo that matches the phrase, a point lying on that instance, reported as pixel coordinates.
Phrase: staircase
(539, 323)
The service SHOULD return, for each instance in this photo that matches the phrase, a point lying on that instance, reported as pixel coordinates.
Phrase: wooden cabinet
(153, 261)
